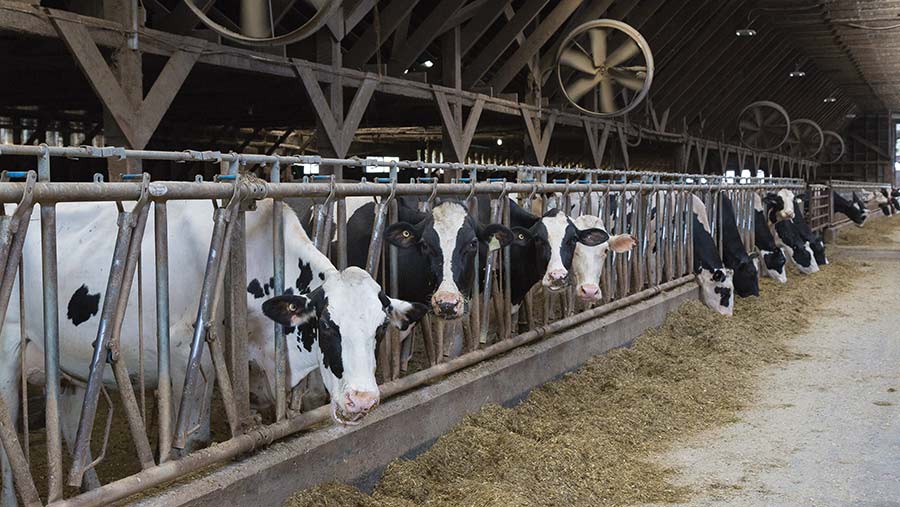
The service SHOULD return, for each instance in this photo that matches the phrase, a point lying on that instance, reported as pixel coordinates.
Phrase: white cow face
(717, 289)
(588, 261)
(773, 265)
(560, 235)
(339, 322)
(780, 205)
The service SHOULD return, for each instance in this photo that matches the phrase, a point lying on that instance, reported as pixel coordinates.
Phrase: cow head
(746, 279)
(860, 205)
(717, 289)
(773, 265)
(450, 239)
(588, 261)
(340, 321)
(556, 235)
(780, 205)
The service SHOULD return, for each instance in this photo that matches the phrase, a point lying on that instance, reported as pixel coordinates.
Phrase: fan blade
(633, 68)
(580, 87)
(627, 79)
(757, 115)
(748, 125)
(607, 96)
(622, 53)
(317, 3)
(598, 47)
(774, 115)
(577, 60)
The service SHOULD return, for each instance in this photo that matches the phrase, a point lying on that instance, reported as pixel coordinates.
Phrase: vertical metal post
(507, 274)
(51, 338)
(163, 359)
(278, 279)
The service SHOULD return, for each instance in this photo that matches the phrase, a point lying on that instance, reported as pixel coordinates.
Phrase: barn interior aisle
(746, 395)
(824, 430)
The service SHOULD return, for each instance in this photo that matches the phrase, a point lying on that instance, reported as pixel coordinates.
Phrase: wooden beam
(598, 147)
(182, 20)
(540, 140)
(871, 146)
(482, 63)
(138, 120)
(339, 131)
(466, 12)
(460, 137)
(427, 31)
(367, 45)
(356, 13)
(480, 23)
(533, 44)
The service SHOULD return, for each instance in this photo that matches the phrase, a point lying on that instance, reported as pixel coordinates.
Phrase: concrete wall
(409, 423)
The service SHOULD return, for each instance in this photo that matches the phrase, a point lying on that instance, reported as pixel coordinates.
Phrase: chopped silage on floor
(589, 438)
(878, 230)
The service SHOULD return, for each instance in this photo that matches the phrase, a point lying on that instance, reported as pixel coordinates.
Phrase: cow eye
(473, 246)
(521, 236)
(292, 307)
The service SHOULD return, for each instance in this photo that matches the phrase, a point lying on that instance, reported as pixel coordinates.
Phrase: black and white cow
(779, 205)
(883, 199)
(734, 256)
(715, 280)
(788, 237)
(344, 309)
(588, 261)
(895, 199)
(816, 243)
(554, 237)
(850, 210)
(436, 252)
(773, 261)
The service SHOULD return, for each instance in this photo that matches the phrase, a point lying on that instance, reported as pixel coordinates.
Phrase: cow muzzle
(448, 305)
(356, 405)
(588, 292)
(785, 215)
(556, 280)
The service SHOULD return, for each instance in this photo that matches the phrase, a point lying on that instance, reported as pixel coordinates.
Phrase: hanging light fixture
(829, 100)
(745, 32)
(797, 73)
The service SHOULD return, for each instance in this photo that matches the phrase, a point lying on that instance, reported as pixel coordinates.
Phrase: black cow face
(746, 279)
(849, 209)
(450, 239)
(530, 255)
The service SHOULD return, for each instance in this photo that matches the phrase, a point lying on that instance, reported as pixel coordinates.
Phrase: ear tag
(494, 244)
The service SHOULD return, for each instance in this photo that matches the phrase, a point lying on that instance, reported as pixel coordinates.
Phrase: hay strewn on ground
(879, 230)
(589, 438)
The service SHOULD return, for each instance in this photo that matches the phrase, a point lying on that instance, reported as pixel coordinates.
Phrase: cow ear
(501, 232)
(592, 237)
(770, 199)
(290, 310)
(402, 235)
(402, 314)
(621, 243)
(521, 236)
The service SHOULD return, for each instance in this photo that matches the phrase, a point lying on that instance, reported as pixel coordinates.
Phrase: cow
(883, 199)
(715, 280)
(895, 199)
(438, 247)
(773, 260)
(555, 237)
(816, 243)
(343, 310)
(796, 248)
(851, 211)
(734, 256)
(588, 261)
(779, 205)
(860, 203)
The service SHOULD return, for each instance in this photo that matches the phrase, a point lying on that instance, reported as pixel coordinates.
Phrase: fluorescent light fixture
(745, 32)
(428, 64)
(829, 100)
(797, 73)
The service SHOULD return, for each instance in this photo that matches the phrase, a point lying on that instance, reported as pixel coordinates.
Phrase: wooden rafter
(482, 63)
(339, 132)
(137, 121)
(460, 136)
(540, 139)
(598, 146)
(533, 43)
(427, 31)
(367, 45)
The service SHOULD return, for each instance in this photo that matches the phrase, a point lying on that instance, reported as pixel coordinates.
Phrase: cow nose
(360, 401)
(556, 279)
(588, 292)
(447, 305)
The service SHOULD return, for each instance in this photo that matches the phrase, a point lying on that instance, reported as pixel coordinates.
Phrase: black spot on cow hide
(725, 292)
(322, 276)
(304, 278)
(330, 344)
(82, 305)
(256, 289)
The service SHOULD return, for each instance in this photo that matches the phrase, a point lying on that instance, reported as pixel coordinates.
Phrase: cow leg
(70, 401)
(9, 389)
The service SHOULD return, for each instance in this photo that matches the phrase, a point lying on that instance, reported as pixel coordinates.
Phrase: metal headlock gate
(653, 207)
